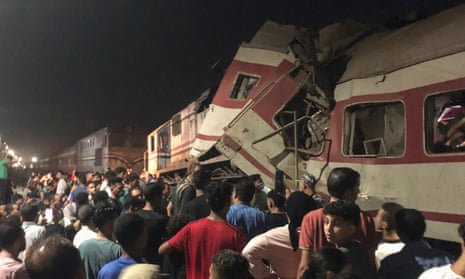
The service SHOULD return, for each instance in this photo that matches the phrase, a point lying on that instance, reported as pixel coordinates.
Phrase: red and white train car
(395, 111)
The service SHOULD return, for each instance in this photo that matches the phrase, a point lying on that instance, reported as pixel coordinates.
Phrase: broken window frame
(241, 90)
(432, 110)
(350, 143)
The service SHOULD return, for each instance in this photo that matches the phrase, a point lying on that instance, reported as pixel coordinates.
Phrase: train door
(163, 147)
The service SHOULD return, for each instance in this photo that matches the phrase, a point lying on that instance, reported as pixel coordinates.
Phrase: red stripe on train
(237, 148)
(434, 216)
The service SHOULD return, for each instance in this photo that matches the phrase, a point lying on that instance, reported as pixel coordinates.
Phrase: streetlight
(34, 159)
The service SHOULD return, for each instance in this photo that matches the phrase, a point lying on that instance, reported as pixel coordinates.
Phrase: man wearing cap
(307, 184)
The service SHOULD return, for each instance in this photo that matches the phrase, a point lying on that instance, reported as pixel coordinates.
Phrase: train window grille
(374, 129)
(243, 86)
(444, 116)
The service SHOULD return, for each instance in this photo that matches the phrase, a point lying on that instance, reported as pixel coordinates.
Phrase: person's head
(307, 184)
(257, 181)
(109, 174)
(410, 224)
(116, 186)
(131, 232)
(12, 238)
(219, 196)
(97, 178)
(385, 217)
(13, 209)
(341, 220)
(275, 201)
(57, 215)
(326, 263)
(59, 174)
(133, 203)
(192, 169)
(133, 180)
(100, 196)
(104, 217)
(153, 192)
(201, 178)
(140, 271)
(135, 192)
(30, 212)
(85, 214)
(244, 191)
(228, 264)
(297, 205)
(81, 179)
(9, 160)
(82, 198)
(461, 231)
(88, 177)
(54, 257)
(120, 172)
(344, 184)
(13, 219)
(91, 188)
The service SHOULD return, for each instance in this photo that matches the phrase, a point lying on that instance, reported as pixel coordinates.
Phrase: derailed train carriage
(388, 103)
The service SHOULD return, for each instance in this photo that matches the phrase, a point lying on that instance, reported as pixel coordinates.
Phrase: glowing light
(34, 159)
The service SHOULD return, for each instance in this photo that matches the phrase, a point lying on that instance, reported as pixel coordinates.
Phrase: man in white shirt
(390, 242)
(62, 186)
(87, 230)
(450, 271)
(32, 231)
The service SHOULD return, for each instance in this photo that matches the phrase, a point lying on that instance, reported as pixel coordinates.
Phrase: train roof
(273, 36)
(427, 39)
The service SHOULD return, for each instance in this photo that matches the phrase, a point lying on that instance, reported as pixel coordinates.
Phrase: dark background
(68, 68)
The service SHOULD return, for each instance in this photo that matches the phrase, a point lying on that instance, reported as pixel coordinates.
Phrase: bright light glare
(34, 159)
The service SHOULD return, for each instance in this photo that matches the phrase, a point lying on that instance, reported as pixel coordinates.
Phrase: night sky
(68, 68)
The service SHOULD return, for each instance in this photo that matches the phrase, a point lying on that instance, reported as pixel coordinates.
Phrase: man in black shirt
(198, 207)
(155, 222)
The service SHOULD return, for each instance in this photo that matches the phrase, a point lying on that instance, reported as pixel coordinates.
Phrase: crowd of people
(124, 225)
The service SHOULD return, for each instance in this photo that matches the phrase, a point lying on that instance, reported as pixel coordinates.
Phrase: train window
(445, 122)
(374, 129)
(176, 125)
(152, 143)
(243, 86)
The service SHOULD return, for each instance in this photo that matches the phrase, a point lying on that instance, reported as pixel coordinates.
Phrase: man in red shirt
(202, 239)
(343, 184)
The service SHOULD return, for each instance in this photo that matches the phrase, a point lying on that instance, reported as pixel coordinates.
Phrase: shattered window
(445, 122)
(243, 86)
(374, 129)
(176, 125)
